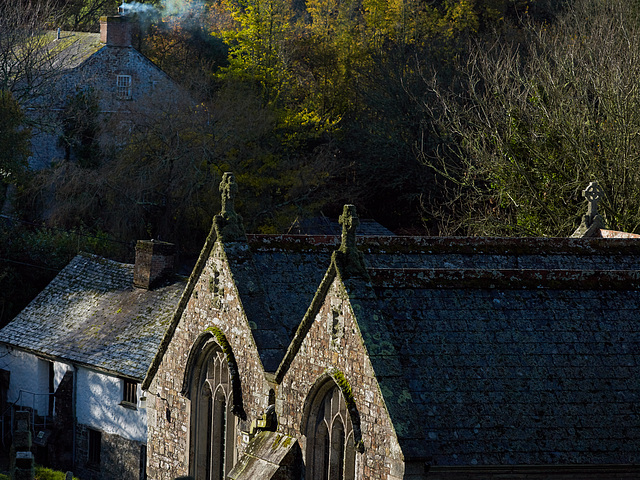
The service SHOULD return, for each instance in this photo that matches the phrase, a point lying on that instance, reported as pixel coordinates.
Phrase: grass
(42, 473)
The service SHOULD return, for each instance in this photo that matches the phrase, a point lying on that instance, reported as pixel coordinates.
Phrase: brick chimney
(155, 262)
(115, 31)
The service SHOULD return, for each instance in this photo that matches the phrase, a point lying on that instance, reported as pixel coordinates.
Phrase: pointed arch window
(213, 424)
(331, 453)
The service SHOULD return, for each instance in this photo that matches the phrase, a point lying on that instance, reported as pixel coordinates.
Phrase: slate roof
(73, 48)
(288, 270)
(91, 314)
(513, 351)
(327, 226)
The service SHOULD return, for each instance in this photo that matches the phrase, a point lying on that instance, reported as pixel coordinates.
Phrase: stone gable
(214, 302)
(334, 343)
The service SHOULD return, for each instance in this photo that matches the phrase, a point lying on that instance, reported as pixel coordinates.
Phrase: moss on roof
(91, 314)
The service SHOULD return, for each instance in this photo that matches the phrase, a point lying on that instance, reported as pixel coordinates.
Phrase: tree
(259, 41)
(14, 139)
(83, 15)
(533, 123)
(26, 61)
(80, 128)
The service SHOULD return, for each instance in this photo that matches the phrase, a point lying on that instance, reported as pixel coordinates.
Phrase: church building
(368, 357)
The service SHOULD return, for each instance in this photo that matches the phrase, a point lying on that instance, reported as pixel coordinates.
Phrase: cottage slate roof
(73, 48)
(91, 314)
(513, 351)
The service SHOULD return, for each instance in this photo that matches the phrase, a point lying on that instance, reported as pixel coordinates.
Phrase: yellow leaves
(414, 22)
(460, 17)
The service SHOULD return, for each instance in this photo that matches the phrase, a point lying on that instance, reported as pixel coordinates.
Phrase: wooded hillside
(465, 117)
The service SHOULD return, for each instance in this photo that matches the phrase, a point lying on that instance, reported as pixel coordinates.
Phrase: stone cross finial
(349, 221)
(348, 259)
(593, 194)
(592, 222)
(228, 189)
(228, 224)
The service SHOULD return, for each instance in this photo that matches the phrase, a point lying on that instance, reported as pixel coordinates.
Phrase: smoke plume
(167, 8)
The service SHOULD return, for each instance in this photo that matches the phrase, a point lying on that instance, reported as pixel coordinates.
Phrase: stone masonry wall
(168, 411)
(567, 472)
(119, 457)
(323, 348)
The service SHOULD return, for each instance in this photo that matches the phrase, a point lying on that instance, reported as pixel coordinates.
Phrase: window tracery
(330, 437)
(213, 423)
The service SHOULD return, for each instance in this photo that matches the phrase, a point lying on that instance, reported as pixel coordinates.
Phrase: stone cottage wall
(147, 80)
(325, 348)
(120, 458)
(214, 302)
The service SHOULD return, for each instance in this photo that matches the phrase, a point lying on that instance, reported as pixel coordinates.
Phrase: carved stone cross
(593, 194)
(228, 189)
(349, 221)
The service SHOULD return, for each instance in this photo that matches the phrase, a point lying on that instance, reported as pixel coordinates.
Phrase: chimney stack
(155, 262)
(115, 31)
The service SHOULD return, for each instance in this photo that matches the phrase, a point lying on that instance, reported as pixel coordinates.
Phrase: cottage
(76, 355)
(126, 85)
(324, 357)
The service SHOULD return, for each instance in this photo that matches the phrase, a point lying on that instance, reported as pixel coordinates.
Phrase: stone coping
(505, 278)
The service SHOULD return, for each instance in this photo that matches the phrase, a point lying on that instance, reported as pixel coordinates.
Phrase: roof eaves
(74, 362)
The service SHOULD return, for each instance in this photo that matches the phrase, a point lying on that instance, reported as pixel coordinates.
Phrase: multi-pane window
(123, 86)
(95, 445)
(130, 392)
(213, 424)
(330, 444)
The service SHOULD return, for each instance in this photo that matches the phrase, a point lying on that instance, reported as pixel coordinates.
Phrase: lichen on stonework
(350, 403)
(222, 341)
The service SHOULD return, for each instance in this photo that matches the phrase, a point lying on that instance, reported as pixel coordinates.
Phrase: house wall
(45, 149)
(30, 375)
(382, 457)
(98, 406)
(168, 410)
(120, 458)
(153, 93)
(100, 71)
(98, 397)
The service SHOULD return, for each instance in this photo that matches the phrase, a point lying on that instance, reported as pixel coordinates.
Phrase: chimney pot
(155, 262)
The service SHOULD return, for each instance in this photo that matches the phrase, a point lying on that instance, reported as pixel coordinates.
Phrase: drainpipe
(73, 414)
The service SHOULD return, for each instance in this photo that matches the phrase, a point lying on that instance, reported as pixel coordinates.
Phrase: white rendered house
(76, 355)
